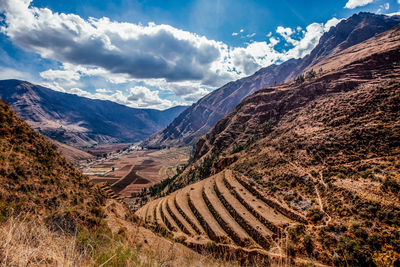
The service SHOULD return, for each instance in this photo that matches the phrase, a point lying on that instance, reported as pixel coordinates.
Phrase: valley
(169, 149)
(128, 171)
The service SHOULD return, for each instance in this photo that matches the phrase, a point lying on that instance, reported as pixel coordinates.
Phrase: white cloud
(10, 73)
(383, 7)
(103, 90)
(159, 56)
(137, 97)
(331, 23)
(151, 51)
(234, 34)
(251, 35)
(351, 4)
(393, 14)
(143, 97)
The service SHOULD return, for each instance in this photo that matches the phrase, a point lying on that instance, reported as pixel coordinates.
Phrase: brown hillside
(50, 215)
(72, 154)
(323, 153)
(34, 178)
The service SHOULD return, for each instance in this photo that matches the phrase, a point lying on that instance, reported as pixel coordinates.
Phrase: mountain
(51, 215)
(195, 121)
(307, 169)
(81, 121)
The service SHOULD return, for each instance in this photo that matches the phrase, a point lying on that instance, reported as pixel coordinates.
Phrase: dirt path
(316, 182)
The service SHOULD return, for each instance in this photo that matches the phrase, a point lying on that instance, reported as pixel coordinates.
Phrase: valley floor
(128, 173)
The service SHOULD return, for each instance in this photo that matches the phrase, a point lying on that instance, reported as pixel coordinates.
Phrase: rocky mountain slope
(191, 124)
(82, 121)
(323, 154)
(51, 215)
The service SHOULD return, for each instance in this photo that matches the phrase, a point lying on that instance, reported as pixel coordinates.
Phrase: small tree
(300, 79)
(311, 74)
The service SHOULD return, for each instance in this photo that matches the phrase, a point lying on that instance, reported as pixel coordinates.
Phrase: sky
(158, 53)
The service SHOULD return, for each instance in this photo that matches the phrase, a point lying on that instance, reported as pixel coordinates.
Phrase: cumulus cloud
(103, 90)
(151, 51)
(351, 4)
(383, 7)
(157, 56)
(10, 73)
(331, 23)
(136, 97)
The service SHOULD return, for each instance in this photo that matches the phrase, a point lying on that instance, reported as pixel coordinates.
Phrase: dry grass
(29, 243)
(26, 243)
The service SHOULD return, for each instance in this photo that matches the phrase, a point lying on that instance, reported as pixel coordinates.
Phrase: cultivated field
(225, 210)
(100, 150)
(130, 172)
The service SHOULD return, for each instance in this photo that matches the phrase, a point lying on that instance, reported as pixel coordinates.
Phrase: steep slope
(70, 153)
(34, 178)
(327, 149)
(82, 121)
(191, 124)
(50, 215)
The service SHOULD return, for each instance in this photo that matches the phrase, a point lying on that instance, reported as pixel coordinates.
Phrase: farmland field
(128, 173)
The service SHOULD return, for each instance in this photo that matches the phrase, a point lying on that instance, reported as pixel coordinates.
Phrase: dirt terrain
(129, 173)
(212, 210)
(308, 169)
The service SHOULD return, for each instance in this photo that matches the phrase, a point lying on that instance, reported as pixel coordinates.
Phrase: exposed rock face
(197, 120)
(81, 121)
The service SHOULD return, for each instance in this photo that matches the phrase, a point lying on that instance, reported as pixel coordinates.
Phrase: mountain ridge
(323, 154)
(81, 121)
(194, 122)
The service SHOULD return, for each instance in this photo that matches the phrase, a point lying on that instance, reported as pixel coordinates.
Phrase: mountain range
(81, 121)
(198, 119)
(308, 168)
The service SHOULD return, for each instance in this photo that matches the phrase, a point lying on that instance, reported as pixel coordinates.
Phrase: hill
(81, 121)
(70, 153)
(306, 171)
(197, 120)
(51, 215)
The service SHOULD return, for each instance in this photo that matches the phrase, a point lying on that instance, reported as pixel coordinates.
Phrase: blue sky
(158, 54)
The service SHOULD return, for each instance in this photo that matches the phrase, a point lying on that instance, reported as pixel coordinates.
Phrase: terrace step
(253, 203)
(222, 216)
(183, 225)
(159, 214)
(256, 229)
(168, 221)
(182, 205)
(204, 216)
(267, 200)
(110, 193)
